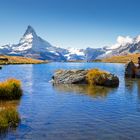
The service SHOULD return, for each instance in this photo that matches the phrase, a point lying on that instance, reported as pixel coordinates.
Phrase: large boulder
(130, 70)
(93, 77)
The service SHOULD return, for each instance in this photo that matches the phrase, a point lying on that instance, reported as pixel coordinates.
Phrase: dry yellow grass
(19, 60)
(122, 59)
(10, 89)
(96, 76)
(9, 117)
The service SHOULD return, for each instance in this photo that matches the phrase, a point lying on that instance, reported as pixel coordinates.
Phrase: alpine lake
(74, 112)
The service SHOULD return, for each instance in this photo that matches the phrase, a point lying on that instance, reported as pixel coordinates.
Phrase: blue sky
(70, 23)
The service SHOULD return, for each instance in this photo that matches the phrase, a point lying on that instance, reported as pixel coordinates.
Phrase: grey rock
(70, 77)
(130, 70)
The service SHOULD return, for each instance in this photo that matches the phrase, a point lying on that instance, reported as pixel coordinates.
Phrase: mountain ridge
(32, 45)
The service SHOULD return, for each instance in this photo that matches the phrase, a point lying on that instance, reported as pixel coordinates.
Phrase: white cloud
(121, 41)
(124, 40)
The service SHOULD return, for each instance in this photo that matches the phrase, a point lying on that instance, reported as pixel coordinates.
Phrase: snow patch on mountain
(75, 54)
(76, 51)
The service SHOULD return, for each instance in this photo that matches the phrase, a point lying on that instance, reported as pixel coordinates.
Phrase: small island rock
(132, 70)
(94, 76)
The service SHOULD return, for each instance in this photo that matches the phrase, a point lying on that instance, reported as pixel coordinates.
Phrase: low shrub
(10, 89)
(96, 76)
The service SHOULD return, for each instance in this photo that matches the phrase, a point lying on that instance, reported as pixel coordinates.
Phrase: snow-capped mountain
(31, 45)
(124, 45)
(74, 54)
(93, 53)
(30, 40)
(5, 49)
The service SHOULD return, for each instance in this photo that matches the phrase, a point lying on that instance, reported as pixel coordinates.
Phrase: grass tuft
(10, 89)
(9, 117)
(96, 76)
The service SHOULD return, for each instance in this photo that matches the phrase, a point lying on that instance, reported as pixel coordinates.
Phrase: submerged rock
(94, 77)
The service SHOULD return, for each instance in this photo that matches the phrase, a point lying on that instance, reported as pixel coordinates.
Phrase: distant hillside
(4, 59)
(122, 58)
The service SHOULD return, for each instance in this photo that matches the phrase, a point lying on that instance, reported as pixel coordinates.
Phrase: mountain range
(31, 45)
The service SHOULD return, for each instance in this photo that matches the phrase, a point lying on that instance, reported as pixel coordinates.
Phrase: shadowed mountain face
(31, 45)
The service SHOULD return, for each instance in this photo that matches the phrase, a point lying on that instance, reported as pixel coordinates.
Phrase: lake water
(74, 112)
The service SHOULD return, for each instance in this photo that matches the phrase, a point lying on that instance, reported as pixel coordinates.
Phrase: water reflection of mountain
(94, 91)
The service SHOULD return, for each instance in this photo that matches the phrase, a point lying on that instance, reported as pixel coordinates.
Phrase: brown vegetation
(96, 76)
(9, 116)
(122, 58)
(18, 60)
(10, 89)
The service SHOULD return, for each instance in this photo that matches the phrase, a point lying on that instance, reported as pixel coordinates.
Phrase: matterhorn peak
(28, 36)
(29, 30)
